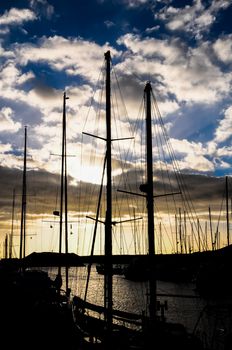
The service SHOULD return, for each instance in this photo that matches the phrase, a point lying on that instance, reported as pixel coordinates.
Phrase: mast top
(148, 87)
(107, 55)
(66, 97)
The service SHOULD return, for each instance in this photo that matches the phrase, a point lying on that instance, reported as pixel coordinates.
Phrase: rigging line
(79, 201)
(219, 217)
(126, 113)
(141, 176)
(166, 137)
(115, 240)
(159, 144)
(185, 193)
(131, 73)
(122, 100)
(125, 178)
(120, 151)
(95, 226)
(87, 189)
(94, 92)
(168, 234)
(168, 174)
(115, 102)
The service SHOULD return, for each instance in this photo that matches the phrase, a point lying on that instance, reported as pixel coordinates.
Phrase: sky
(183, 48)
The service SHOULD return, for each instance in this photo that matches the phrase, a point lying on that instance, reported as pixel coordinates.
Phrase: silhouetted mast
(63, 186)
(12, 226)
(180, 232)
(150, 204)
(211, 229)
(108, 222)
(198, 233)
(176, 226)
(6, 246)
(227, 213)
(23, 207)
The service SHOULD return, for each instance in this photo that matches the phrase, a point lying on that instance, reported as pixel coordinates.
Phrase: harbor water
(209, 319)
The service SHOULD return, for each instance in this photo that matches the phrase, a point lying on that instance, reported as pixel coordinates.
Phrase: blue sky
(183, 47)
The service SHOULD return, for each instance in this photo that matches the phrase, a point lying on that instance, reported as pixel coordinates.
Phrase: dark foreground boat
(101, 326)
(35, 312)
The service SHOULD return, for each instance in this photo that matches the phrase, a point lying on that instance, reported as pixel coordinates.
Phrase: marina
(162, 300)
(115, 172)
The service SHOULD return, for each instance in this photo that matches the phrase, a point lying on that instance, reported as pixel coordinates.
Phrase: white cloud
(168, 106)
(217, 153)
(186, 72)
(16, 17)
(74, 56)
(194, 156)
(225, 151)
(197, 156)
(224, 130)
(42, 7)
(195, 19)
(4, 31)
(183, 74)
(25, 77)
(109, 24)
(135, 3)
(6, 54)
(152, 29)
(11, 161)
(223, 48)
(4, 148)
(6, 121)
(186, 147)
(11, 79)
(221, 164)
(197, 163)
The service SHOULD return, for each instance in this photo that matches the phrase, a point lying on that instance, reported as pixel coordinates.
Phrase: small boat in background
(116, 269)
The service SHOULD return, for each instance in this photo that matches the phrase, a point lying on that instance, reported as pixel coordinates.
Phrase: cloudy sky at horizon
(183, 47)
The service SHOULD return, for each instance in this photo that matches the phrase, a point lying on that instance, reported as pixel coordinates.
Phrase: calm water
(132, 296)
(213, 317)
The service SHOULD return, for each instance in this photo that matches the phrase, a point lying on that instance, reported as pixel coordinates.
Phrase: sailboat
(31, 301)
(119, 329)
(57, 283)
(36, 283)
(63, 198)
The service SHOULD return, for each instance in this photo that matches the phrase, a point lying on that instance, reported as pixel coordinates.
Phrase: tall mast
(176, 234)
(108, 222)
(185, 232)
(150, 204)
(227, 213)
(63, 187)
(23, 207)
(198, 233)
(211, 229)
(12, 226)
(180, 232)
(6, 246)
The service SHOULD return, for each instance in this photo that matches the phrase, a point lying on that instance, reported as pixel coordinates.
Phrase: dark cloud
(43, 190)
(45, 91)
(198, 192)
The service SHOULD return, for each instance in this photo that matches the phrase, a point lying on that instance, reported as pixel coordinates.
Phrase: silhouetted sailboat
(119, 329)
